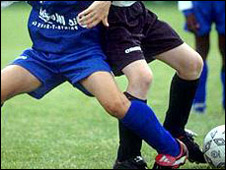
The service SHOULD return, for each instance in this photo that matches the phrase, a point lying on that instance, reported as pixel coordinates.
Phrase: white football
(214, 147)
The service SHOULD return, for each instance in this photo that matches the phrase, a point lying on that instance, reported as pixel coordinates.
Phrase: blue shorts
(54, 69)
(209, 12)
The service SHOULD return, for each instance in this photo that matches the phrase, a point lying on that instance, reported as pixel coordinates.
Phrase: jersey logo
(55, 21)
(132, 49)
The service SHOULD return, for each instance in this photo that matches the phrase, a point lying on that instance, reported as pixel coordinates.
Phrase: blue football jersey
(53, 27)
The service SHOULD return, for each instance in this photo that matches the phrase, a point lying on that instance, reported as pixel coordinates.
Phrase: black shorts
(135, 33)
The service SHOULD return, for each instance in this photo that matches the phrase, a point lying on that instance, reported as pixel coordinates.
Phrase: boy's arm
(5, 4)
(96, 13)
(187, 8)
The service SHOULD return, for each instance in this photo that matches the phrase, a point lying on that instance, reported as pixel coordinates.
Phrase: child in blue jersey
(64, 51)
(200, 16)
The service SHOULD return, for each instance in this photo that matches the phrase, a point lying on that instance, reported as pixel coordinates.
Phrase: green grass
(70, 131)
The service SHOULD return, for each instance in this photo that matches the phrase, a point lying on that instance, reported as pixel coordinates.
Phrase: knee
(193, 68)
(197, 66)
(117, 107)
(142, 81)
(5, 95)
(146, 79)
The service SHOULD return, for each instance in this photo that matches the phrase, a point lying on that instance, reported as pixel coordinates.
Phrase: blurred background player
(200, 16)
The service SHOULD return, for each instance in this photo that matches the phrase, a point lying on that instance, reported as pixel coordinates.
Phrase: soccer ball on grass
(214, 147)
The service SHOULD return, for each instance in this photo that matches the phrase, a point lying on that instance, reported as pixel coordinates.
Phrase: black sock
(182, 94)
(130, 143)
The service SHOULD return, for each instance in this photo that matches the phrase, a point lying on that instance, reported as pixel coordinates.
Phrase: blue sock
(201, 91)
(142, 121)
(223, 83)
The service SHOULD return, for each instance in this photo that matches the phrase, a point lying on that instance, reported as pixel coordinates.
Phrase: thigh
(123, 37)
(16, 80)
(160, 37)
(76, 67)
(180, 58)
(40, 65)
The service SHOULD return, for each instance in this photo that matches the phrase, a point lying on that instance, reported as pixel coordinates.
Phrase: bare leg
(140, 78)
(202, 47)
(135, 115)
(16, 80)
(188, 64)
(185, 61)
(104, 88)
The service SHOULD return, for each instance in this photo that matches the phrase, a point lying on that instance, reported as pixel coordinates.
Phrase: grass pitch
(67, 130)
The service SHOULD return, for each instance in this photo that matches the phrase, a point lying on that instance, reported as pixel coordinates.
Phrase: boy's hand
(96, 13)
(192, 23)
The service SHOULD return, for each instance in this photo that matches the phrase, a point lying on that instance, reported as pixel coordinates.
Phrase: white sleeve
(123, 3)
(185, 5)
(5, 4)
